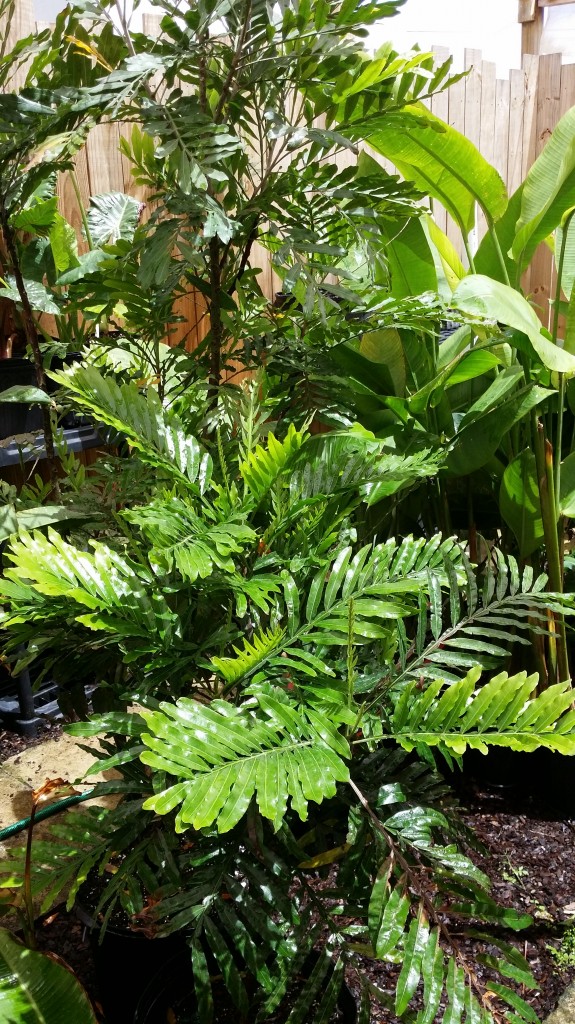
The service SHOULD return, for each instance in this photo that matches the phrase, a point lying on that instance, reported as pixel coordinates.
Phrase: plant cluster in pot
(287, 680)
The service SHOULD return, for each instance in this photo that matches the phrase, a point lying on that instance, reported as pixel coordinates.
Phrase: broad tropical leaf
(442, 163)
(481, 295)
(34, 989)
(548, 191)
(112, 215)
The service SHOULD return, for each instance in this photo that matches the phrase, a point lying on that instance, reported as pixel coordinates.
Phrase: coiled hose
(45, 812)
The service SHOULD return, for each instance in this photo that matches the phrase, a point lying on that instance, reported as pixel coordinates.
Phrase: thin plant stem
(554, 333)
(468, 253)
(544, 462)
(497, 247)
(83, 216)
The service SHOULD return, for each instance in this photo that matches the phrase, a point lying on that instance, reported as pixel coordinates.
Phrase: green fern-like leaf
(156, 434)
(502, 712)
(226, 756)
(477, 626)
(384, 582)
(263, 466)
(179, 536)
(102, 589)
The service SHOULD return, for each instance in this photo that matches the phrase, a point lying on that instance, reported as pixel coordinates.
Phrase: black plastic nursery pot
(541, 775)
(18, 417)
(169, 998)
(124, 961)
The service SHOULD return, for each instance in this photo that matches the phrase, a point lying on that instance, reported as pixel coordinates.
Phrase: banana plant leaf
(480, 295)
(548, 191)
(442, 163)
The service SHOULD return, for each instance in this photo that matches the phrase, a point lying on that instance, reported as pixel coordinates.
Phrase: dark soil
(529, 860)
(11, 743)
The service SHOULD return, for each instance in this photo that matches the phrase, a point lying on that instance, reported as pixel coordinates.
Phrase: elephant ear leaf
(111, 216)
(36, 989)
(442, 163)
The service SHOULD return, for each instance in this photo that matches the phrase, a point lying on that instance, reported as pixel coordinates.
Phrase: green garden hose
(44, 812)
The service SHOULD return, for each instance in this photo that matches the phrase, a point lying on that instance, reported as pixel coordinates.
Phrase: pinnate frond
(263, 466)
(225, 756)
(383, 581)
(102, 590)
(156, 434)
(502, 712)
(179, 536)
(477, 623)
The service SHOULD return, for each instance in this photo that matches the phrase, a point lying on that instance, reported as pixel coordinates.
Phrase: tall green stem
(83, 216)
(468, 253)
(497, 247)
(544, 462)
(554, 333)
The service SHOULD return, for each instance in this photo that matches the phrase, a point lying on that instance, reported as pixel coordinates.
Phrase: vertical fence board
(456, 120)
(531, 69)
(486, 127)
(517, 86)
(440, 107)
(548, 113)
(501, 155)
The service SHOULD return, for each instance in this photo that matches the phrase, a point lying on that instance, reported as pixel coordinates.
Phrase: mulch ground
(12, 744)
(529, 859)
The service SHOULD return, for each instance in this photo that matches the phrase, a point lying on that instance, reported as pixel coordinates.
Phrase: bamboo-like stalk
(544, 462)
(31, 333)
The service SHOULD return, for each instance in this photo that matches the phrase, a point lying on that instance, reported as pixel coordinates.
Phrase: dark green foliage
(284, 664)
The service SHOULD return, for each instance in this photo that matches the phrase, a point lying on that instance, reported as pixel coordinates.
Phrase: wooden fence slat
(517, 85)
(486, 127)
(456, 119)
(548, 113)
(531, 68)
(501, 127)
(440, 107)
(472, 120)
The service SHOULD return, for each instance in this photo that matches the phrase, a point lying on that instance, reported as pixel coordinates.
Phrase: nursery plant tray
(29, 447)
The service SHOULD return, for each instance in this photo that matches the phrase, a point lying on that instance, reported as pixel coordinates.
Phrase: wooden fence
(509, 120)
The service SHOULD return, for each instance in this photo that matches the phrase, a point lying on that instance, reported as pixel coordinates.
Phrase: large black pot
(542, 777)
(169, 998)
(124, 961)
(18, 417)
